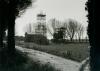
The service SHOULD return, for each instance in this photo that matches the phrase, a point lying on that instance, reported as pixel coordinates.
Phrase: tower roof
(41, 14)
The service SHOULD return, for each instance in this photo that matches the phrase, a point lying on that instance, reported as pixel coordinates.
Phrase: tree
(58, 29)
(53, 24)
(93, 20)
(2, 21)
(71, 28)
(80, 31)
(60, 34)
(10, 10)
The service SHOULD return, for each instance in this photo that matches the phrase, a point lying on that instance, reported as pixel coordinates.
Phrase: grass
(20, 62)
(73, 51)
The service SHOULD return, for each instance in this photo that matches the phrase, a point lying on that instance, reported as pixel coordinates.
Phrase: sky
(59, 9)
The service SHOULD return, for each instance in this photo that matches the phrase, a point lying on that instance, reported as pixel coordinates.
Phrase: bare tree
(80, 31)
(53, 24)
(71, 29)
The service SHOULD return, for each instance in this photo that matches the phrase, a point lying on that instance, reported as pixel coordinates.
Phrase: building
(36, 38)
(39, 36)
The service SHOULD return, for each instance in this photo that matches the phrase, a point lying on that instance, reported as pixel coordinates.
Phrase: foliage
(59, 35)
(74, 29)
(19, 5)
(9, 10)
(70, 29)
(93, 20)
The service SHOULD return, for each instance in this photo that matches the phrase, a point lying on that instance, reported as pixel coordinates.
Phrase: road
(58, 62)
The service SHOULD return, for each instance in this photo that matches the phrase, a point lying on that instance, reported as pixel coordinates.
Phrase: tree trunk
(1, 31)
(2, 26)
(11, 33)
(1, 38)
(71, 39)
(94, 35)
(79, 39)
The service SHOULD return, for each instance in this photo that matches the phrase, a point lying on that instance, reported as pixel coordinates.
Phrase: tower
(41, 24)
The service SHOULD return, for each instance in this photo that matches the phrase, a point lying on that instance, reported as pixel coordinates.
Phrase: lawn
(73, 51)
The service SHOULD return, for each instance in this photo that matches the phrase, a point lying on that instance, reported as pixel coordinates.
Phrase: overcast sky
(60, 9)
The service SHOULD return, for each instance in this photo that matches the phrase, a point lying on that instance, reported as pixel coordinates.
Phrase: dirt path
(58, 62)
(85, 65)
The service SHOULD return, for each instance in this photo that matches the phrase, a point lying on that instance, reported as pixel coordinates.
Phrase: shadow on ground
(84, 65)
(20, 62)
